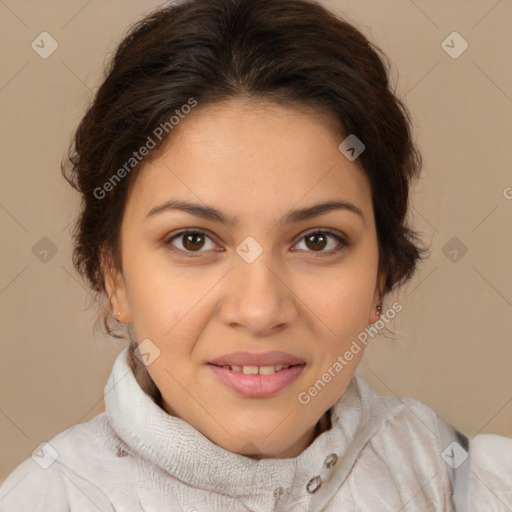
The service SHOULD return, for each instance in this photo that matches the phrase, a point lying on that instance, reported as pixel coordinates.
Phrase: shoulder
(31, 488)
(64, 470)
(412, 440)
(491, 472)
(398, 414)
(415, 433)
(404, 454)
(409, 431)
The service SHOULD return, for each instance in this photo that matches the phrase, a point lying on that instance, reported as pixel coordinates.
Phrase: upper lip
(272, 358)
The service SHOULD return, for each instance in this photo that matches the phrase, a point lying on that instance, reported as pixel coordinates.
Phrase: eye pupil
(191, 237)
(315, 236)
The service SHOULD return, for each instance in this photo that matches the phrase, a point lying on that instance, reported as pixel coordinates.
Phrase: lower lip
(257, 386)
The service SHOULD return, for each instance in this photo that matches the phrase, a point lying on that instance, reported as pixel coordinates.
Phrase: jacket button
(314, 484)
(330, 460)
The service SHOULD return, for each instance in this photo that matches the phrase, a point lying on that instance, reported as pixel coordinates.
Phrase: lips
(257, 375)
(257, 385)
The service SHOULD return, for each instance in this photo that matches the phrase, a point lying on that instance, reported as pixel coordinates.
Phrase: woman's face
(252, 277)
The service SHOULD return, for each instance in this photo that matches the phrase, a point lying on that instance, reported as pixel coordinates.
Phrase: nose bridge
(256, 261)
(259, 280)
(260, 297)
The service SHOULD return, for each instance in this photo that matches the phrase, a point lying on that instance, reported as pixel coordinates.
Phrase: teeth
(250, 370)
(254, 370)
(267, 370)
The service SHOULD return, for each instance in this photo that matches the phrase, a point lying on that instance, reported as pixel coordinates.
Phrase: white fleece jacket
(382, 454)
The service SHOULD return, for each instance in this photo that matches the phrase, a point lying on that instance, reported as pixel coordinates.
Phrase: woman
(245, 173)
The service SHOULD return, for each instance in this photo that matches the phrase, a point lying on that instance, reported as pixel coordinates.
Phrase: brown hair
(288, 51)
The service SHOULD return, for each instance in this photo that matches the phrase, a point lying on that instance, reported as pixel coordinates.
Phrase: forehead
(252, 159)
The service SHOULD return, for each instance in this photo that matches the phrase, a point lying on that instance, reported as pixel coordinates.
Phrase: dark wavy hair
(293, 52)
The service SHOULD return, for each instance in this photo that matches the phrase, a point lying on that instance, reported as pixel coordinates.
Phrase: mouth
(253, 381)
(257, 370)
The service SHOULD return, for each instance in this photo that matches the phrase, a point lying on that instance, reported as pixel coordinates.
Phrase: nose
(259, 298)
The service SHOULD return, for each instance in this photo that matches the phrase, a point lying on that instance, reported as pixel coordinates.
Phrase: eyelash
(343, 242)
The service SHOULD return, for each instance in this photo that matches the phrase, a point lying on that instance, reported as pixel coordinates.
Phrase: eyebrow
(212, 214)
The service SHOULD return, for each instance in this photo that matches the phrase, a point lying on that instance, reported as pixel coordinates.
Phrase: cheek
(153, 294)
(339, 320)
(342, 299)
(168, 304)
(159, 305)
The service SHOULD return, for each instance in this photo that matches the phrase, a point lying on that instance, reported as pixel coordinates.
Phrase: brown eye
(193, 241)
(190, 241)
(316, 241)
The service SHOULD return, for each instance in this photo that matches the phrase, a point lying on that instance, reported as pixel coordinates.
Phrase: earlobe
(376, 308)
(116, 291)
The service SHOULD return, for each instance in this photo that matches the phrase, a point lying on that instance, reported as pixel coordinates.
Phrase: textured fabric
(381, 454)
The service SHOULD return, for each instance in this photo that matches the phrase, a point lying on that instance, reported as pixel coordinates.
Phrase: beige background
(453, 348)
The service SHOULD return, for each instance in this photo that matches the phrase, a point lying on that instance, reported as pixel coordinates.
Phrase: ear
(116, 290)
(377, 299)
